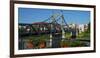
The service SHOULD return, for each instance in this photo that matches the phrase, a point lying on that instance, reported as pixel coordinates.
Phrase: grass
(68, 35)
(85, 34)
(73, 43)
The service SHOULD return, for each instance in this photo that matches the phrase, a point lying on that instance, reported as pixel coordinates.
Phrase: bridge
(55, 26)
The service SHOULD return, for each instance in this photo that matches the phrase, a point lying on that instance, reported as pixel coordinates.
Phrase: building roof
(40, 23)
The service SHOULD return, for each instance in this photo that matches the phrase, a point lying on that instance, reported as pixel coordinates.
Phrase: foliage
(76, 44)
(85, 34)
(68, 35)
(64, 43)
(72, 43)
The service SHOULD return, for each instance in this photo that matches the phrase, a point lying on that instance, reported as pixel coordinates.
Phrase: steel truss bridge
(54, 24)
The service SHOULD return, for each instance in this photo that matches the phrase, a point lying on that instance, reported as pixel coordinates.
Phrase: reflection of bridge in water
(55, 26)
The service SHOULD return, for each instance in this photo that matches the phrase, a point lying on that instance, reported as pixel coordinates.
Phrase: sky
(31, 15)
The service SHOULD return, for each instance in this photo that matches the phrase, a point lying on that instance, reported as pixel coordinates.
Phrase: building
(83, 27)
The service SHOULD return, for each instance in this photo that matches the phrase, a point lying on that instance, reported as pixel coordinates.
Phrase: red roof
(40, 23)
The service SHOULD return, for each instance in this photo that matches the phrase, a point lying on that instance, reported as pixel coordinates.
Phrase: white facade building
(83, 27)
